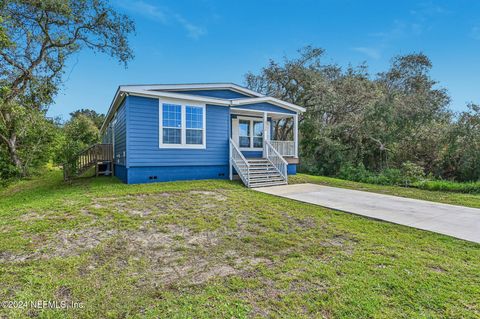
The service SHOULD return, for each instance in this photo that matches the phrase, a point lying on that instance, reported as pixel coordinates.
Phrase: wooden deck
(94, 156)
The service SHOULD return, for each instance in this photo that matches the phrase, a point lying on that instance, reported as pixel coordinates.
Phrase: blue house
(200, 131)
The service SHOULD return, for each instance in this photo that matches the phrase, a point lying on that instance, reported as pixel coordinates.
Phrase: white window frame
(252, 120)
(183, 129)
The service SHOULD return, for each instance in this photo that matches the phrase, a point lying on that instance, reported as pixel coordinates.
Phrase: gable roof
(177, 91)
(195, 86)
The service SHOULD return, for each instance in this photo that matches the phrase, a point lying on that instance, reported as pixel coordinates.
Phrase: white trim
(295, 134)
(268, 99)
(265, 135)
(179, 96)
(146, 91)
(183, 128)
(260, 113)
(251, 119)
(195, 86)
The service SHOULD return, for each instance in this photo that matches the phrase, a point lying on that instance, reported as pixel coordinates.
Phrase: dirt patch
(216, 195)
(438, 269)
(63, 293)
(31, 216)
(74, 242)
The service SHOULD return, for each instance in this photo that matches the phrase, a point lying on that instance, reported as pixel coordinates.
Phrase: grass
(209, 249)
(448, 186)
(433, 194)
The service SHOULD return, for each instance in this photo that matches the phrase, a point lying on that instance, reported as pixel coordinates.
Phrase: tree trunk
(12, 150)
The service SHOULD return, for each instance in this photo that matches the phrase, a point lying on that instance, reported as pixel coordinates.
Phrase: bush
(448, 186)
(359, 173)
(412, 173)
(408, 174)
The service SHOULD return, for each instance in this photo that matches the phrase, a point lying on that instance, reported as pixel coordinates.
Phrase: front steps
(262, 173)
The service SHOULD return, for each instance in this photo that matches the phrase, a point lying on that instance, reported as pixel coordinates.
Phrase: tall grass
(448, 186)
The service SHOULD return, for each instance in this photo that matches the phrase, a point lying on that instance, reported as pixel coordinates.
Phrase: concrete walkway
(457, 221)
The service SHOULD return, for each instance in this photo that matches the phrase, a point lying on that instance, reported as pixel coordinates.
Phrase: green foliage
(36, 40)
(79, 133)
(395, 121)
(461, 156)
(390, 176)
(97, 118)
(448, 186)
(408, 174)
(37, 142)
(412, 173)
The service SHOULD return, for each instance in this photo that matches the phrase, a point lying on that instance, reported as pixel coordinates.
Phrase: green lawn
(210, 249)
(470, 200)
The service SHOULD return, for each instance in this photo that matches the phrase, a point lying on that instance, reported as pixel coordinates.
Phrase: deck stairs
(270, 170)
(263, 173)
(98, 156)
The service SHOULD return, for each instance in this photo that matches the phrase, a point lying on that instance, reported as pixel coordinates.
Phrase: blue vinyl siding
(252, 154)
(292, 169)
(121, 172)
(265, 107)
(120, 132)
(143, 137)
(223, 94)
(139, 175)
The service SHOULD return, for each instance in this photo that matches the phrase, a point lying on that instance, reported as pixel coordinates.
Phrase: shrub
(408, 174)
(448, 186)
(411, 173)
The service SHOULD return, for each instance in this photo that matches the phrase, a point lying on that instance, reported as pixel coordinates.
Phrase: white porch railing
(284, 148)
(239, 162)
(276, 159)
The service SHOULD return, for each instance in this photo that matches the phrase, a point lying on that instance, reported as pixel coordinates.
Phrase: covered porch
(259, 154)
(250, 128)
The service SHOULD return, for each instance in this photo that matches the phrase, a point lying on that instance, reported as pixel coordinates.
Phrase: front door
(247, 133)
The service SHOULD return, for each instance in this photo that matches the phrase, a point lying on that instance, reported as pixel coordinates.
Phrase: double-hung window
(194, 127)
(244, 133)
(172, 123)
(182, 125)
(257, 134)
(250, 133)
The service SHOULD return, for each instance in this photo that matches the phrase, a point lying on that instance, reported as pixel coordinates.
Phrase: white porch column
(295, 134)
(264, 134)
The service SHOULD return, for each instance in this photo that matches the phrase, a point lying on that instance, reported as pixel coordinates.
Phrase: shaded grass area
(434, 195)
(208, 249)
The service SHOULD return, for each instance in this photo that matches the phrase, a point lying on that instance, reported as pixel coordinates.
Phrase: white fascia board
(268, 99)
(179, 96)
(199, 86)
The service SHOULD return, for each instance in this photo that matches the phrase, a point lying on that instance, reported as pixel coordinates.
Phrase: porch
(260, 152)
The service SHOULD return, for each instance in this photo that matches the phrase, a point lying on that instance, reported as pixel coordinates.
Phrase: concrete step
(257, 160)
(263, 171)
(255, 185)
(266, 180)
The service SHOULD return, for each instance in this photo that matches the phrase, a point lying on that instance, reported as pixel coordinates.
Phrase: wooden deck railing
(87, 159)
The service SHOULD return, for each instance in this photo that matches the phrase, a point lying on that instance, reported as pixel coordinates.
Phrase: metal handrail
(276, 159)
(237, 154)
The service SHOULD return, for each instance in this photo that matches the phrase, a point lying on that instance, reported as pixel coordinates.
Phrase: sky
(189, 41)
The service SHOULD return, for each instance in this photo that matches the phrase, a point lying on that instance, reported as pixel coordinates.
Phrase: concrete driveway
(457, 221)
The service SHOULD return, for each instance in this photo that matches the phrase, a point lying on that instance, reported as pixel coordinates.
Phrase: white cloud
(194, 31)
(163, 15)
(370, 52)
